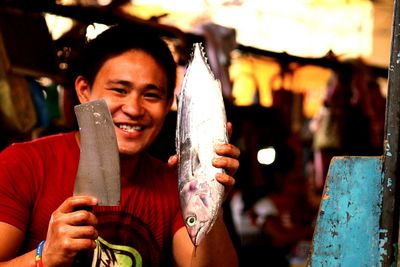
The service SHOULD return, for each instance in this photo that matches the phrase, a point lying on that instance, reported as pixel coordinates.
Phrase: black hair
(119, 39)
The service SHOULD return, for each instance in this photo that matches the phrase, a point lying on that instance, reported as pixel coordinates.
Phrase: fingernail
(217, 160)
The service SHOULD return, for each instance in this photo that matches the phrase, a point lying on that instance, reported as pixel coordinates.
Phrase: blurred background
(303, 81)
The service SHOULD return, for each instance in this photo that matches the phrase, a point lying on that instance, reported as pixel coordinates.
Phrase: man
(135, 74)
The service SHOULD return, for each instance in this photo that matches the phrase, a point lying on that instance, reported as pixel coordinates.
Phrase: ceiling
(306, 28)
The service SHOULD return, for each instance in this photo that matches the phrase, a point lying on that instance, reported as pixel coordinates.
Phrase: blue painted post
(358, 220)
(347, 231)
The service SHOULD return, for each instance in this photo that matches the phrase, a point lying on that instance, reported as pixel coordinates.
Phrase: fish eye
(191, 221)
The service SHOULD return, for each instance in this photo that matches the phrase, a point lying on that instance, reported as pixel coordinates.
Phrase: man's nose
(133, 106)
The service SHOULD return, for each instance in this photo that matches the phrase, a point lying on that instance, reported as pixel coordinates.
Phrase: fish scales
(201, 125)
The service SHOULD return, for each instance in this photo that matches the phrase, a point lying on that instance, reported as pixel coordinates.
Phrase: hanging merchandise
(25, 44)
(17, 112)
(40, 104)
(285, 99)
(47, 101)
(220, 42)
(327, 132)
(352, 116)
(52, 101)
(282, 99)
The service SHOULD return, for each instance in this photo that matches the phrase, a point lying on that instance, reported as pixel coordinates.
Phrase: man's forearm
(217, 248)
(26, 260)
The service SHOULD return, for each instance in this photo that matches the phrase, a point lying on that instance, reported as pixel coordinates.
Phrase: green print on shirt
(109, 255)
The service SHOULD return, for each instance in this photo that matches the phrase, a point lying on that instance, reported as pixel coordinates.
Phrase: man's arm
(11, 239)
(216, 249)
(69, 232)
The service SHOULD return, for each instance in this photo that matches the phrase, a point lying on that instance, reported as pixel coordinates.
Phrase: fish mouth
(201, 233)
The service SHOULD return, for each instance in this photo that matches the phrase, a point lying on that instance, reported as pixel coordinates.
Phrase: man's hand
(70, 230)
(227, 159)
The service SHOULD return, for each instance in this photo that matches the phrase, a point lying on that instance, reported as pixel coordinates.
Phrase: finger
(82, 232)
(230, 165)
(85, 244)
(60, 224)
(227, 150)
(225, 179)
(77, 232)
(74, 202)
(173, 160)
(229, 129)
(82, 217)
(73, 245)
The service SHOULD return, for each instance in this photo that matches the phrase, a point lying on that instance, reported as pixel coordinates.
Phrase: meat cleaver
(99, 167)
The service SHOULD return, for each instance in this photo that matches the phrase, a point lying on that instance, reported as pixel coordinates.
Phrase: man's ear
(170, 102)
(82, 89)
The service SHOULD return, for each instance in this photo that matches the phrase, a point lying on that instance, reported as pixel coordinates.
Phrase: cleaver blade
(99, 167)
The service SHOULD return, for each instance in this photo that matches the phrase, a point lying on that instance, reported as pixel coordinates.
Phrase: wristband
(38, 257)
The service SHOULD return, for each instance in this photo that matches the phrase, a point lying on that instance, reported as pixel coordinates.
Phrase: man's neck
(128, 165)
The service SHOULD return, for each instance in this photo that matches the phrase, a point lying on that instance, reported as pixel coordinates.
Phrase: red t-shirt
(37, 176)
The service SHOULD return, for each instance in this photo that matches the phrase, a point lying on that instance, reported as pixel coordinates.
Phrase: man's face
(135, 88)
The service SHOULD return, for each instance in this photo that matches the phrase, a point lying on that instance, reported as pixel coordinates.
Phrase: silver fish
(201, 125)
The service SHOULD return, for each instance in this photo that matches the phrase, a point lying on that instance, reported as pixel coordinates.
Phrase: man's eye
(153, 96)
(119, 90)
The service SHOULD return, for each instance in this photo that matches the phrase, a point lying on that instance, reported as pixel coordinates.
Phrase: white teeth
(130, 128)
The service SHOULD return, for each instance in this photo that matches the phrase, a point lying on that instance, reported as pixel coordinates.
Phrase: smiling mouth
(130, 128)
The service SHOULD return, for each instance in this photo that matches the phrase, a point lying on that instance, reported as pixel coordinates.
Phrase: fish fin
(195, 161)
(199, 48)
(177, 130)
